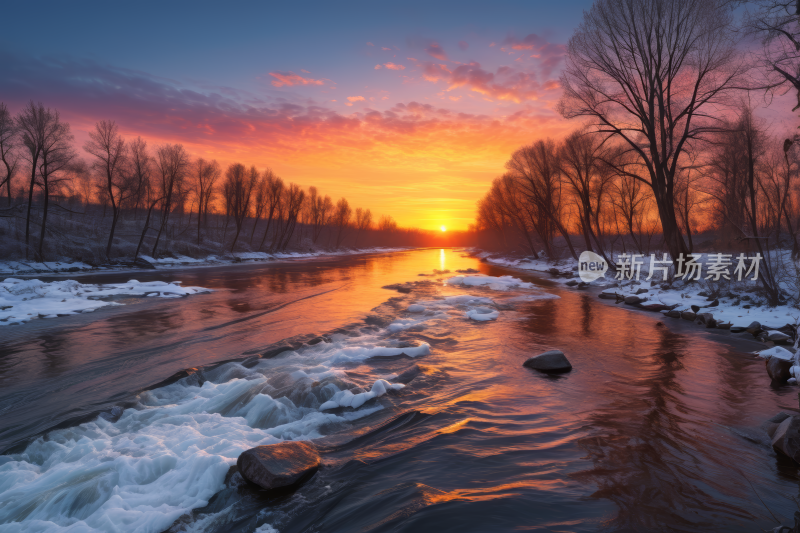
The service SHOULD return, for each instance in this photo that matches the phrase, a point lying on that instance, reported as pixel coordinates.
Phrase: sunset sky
(407, 108)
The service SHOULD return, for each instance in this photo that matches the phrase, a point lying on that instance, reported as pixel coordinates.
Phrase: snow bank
(24, 300)
(777, 352)
(483, 314)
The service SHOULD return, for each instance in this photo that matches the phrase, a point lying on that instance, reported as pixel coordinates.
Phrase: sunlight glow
(444, 228)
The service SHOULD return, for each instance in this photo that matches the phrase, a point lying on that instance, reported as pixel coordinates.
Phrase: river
(655, 429)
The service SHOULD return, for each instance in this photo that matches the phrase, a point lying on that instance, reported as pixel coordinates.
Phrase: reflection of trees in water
(55, 361)
(655, 457)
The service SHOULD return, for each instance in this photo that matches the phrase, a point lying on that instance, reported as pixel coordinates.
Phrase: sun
(444, 228)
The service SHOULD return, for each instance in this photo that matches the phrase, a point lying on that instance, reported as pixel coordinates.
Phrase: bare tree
(57, 156)
(538, 168)
(273, 187)
(363, 222)
(110, 153)
(206, 174)
(172, 163)
(32, 126)
(341, 219)
(387, 224)
(289, 208)
(8, 145)
(652, 74)
(239, 186)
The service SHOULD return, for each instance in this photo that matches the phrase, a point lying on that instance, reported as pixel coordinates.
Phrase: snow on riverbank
(18, 268)
(24, 300)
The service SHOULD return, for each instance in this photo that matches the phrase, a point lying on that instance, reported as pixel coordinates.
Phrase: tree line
(156, 189)
(669, 143)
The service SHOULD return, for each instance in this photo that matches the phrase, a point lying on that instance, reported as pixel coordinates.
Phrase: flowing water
(655, 429)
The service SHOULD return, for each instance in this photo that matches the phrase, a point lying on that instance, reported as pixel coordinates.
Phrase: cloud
(436, 51)
(378, 67)
(370, 44)
(291, 79)
(392, 66)
(304, 71)
(463, 45)
(549, 54)
(412, 59)
(435, 71)
(384, 48)
(355, 98)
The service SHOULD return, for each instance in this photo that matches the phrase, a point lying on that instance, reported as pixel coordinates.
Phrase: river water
(655, 429)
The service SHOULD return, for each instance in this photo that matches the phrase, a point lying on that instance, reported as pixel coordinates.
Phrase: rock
(777, 337)
(657, 307)
(772, 424)
(278, 465)
(641, 291)
(571, 283)
(608, 295)
(786, 438)
(688, 315)
(704, 294)
(779, 370)
(113, 415)
(695, 308)
(673, 313)
(754, 328)
(553, 361)
(723, 325)
(746, 306)
(583, 285)
(633, 300)
(746, 298)
(706, 319)
(554, 271)
(737, 329)
(715, 303)
(665, 287)
(141, 263)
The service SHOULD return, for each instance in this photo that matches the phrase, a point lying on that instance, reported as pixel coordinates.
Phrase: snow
(416, 308)
(482, 314)
(501, 283)
(777, 352)
(348, 399)
(25, 300)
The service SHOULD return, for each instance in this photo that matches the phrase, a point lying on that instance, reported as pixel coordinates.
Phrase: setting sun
(444, 228)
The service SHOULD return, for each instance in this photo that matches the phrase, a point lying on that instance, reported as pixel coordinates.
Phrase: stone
(772, 424)
(723, 325)
(754, 328)
(655, 306)
(665, 287)
(553, 361)
(583, 286)
(695, 308)
(779, 370)
(706, 319)
(571, 283)
(608, 295)
(633, 300)
(688, 315)
(279, 465)
(777, 337)
(738, 329)
(641, 291)
(715, 303)
(704, 294)
(786, 438)
(673, 313)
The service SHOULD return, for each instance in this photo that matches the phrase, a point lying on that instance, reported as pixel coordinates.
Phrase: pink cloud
(436, 51)
(291, 79)
(378, 67)
(370, 44)
(412, 59)
(384, 48)
(356, 98)
(549, 54)
(435, 72)
(392, 66)
(463, 45)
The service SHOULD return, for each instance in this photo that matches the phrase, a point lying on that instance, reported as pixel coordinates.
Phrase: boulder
(779, 370)
(753, 328)
(583, 285)
(571, 283)
(553, 362)
(715, 303)
(695, 309)
(737, 329)
(608, 295)
(706, 319)
(786, 438)
(641, 291)
(688, 315)
(777, 337)
(279, 465)
(772, 424)
(673, 313)
(655, 306)
(633, 300)
(723, 325)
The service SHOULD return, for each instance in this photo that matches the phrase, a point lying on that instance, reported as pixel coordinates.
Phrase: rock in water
(553, 361)
(754, 328)
(786, 439)
(633, 300)
(772, 424)
(688, 315)
(779, 370)
(278, 465)
(673, 313)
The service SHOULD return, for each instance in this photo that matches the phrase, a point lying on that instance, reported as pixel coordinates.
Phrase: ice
(483, 314)
(348, 399)
(24, 300)
(266, 528)
(468, 299)
(501, 283)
